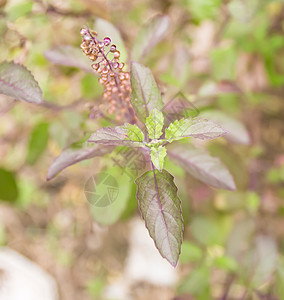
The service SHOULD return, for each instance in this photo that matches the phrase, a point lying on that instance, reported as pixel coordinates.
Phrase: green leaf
(126, 135)
(197, 283)
(90, 87)
(210, 231)
(160, 207)
(134, 133)
(158, 156)
(145, 95)
(20, 10)
(190, 252)
(69, 56)
(16, 81)
(149, 36)
(197, 128)
(113, 187)
(8, 186)
(38, 142)
(154, 124)
(280, 277)
(203, 9)
(106, 29)
(226, 263)
(95, 287)
(202, 166)
(243, 11)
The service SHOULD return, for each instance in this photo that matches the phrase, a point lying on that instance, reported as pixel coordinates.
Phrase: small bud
(87, 51)
(95, 66)
(120, 66)
(83, 31)
(107, 41)
(116, 54)
(105, 70)
(112, 48)
(92, 57)
(101, 44)
(115, 65)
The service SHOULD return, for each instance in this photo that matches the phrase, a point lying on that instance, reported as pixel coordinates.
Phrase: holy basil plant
(157, 193)
(135, 98)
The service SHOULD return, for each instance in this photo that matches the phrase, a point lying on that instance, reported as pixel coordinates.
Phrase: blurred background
(228, 57)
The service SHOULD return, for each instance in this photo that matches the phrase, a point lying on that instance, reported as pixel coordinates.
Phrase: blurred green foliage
(228, 57)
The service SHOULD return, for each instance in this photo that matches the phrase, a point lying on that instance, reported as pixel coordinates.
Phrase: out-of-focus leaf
(196, 128)
(127, 135)
(226, 263)
(160, 207)
(106, 29)
(190, 252)
(264, 257)
(96, 286)
(280, 278)
(181, 106)
(149, 36)
(154, 124)
(68, 56)
(115, 189)
(131, 206)
(181, 66)
(243, 11)
(236, 131)
(38, 142)
(210, 231)
(203, 9)
(90, 87)
(145, 95)
(240, 239)
(197, 284)
(8, 186)
(17, 81)
(223, 63)
(20, 10)
(202, 166)
(157, 156)
(3, 236)
(71, 156)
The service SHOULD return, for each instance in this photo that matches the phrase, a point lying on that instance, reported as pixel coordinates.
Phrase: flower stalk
(115, 80)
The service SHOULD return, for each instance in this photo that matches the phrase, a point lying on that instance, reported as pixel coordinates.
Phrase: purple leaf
(202, 166)
(17, 81)
(71, 156)
(237, 132)
(145, 94)
(68, 56)
(149, 36)
(118, 136)
(160, 207)
(197, 128)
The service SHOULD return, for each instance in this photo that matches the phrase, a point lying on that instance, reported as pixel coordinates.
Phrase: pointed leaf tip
(18, 82)
(145, 94)
(160, 207)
